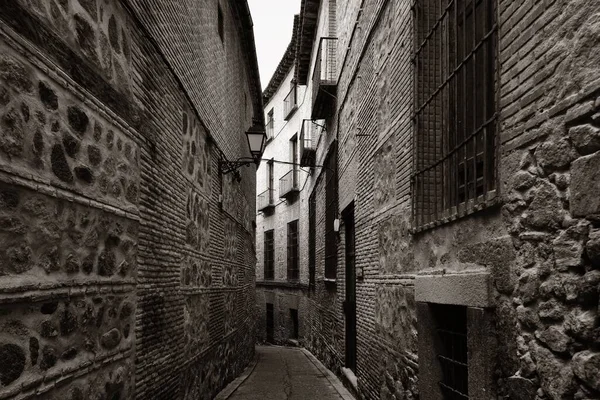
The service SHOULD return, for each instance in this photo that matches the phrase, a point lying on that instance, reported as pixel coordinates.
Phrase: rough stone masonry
(126, 259)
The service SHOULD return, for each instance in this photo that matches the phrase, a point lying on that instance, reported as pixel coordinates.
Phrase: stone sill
(284, 284)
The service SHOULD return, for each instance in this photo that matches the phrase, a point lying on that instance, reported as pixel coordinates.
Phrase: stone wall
(539, 244)
(124, 275)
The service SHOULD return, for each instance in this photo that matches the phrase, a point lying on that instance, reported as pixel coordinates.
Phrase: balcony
(290, 104)
(325, 79)
(266, 200)
(309, 137)
(270, 129)
(288, 184)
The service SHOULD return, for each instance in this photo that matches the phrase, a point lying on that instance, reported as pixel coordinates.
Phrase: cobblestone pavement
(290, 374)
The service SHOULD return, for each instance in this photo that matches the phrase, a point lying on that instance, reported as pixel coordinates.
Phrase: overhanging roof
(309, 14)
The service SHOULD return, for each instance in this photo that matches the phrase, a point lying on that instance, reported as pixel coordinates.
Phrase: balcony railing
(266, 200)
(288, 184)
(325, 79)
(290, 104)
(270, 128)
(309, 137)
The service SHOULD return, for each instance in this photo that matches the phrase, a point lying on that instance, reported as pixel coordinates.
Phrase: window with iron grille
(454, 171)
(330, 216)
(269, 255)
(292, 251)
(451, 326)
(312, 253)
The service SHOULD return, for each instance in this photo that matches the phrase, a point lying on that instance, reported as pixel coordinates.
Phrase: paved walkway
(286, 373)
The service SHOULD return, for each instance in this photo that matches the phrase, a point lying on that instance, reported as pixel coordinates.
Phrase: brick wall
(129, 260)
(539, 244)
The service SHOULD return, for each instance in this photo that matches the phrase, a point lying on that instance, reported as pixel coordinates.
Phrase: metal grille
(269, 255)
(330, 216)
(452, 352)
(454, 170)
(292, 251)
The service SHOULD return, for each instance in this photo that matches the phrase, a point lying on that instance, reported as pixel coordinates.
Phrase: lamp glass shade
(256, 142)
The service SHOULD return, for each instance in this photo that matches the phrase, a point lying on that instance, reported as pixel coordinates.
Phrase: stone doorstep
(351, 378)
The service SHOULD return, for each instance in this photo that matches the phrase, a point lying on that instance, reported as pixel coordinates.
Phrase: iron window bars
(451, 327)
(293, 273)
(269, 255)
(454, 171)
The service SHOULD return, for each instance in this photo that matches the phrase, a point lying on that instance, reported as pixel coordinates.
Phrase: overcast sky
(273, 24)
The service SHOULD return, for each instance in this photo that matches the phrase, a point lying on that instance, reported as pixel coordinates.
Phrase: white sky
(273, 24)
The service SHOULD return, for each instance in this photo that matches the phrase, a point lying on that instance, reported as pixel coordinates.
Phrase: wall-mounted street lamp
(256, 142)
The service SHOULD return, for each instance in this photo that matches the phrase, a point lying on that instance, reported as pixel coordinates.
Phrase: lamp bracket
(226, 166)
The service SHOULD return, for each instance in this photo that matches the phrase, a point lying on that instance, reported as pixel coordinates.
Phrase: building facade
(126, 257)
(450, 212)
(281, 284)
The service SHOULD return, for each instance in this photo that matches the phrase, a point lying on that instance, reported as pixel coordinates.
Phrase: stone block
(586, 366)
(472, 290)
(585, 186)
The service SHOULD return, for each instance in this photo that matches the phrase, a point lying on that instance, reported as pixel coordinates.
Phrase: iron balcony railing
(325, 78)
(290, 104)
(326, 66)
(270, 128)
(288, 184)
(309, 137)
(266, 200)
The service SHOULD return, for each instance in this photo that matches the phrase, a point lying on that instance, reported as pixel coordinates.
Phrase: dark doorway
(294, 319)
(270, 323)
(350, 303)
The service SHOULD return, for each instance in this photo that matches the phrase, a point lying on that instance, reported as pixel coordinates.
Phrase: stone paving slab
(285, 373)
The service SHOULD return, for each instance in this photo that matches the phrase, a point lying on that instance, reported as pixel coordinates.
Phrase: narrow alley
(406, 190)
(286, 373)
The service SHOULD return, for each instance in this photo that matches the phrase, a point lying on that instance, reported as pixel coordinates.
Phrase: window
(457, 336)
(451, 327)
(270, 125)
(294, 159)
(455, 117)
(330, 216)
(292, 251)
(220, 23)
(271, 181)
(269, 255)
